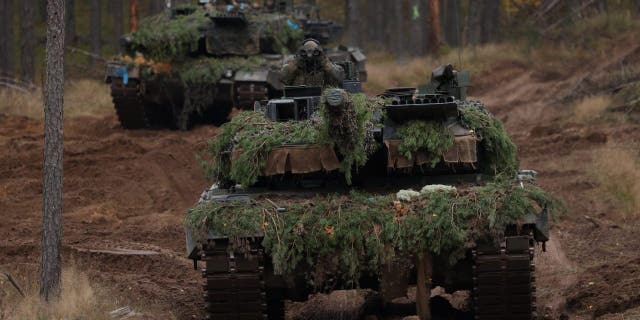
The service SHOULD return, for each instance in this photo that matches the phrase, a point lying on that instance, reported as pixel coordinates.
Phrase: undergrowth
(352, 234)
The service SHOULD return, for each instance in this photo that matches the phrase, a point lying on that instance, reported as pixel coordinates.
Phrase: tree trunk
(451, 22)
(71, 22)
(133, 15)
(353, 22)
(155, 6)
(434, 27)
(27, 41)
(380, 24)
(42, 10)
(417, 27)
(117, 8)
(474, 22)
(423, 286)
(7, 49)
(51, 261)
(490, 21)
(94, 31)
(398, 33)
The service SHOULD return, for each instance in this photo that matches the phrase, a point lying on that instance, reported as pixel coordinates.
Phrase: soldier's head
(311, 53)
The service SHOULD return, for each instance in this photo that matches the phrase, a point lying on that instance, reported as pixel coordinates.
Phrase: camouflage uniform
(312, 67)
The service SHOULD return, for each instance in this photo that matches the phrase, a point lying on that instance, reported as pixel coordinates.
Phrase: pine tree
(94, 32)
(6, 38)
(51, 260)
(27, 41)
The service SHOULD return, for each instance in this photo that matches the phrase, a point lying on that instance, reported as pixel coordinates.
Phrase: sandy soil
(125, 194)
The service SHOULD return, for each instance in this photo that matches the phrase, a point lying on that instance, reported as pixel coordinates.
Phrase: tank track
(504, 280)
(234, 285)
(129, 105)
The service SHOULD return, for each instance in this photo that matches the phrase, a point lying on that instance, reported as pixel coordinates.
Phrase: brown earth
(126, 192)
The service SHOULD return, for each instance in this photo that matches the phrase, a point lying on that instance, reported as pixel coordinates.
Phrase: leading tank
(195, 63)
(326, 188)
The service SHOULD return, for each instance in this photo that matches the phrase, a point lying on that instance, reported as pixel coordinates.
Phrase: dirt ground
(126, 193)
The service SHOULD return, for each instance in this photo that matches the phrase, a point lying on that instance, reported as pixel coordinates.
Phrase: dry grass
(591, 108)
(384, 71)
(82, 98)
(79, 300)
(617, 171)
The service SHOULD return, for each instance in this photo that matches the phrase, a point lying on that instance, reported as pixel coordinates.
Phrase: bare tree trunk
(490, 21)
(423, 286)
(117, 8)
(7, 48)
(417, 27)
(380, 23)
(71, 21)
(51, 261)
(94, 31)
(474, 22)
(156, 6)
(353, 22)
(42, 10)
(133, 15)
(434, 27)
(27, 41)
(451, 22)
(398, 34)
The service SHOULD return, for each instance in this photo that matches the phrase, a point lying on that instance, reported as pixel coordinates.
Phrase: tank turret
(193, 64)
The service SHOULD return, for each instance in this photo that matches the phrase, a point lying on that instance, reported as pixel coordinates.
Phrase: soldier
(312, 67)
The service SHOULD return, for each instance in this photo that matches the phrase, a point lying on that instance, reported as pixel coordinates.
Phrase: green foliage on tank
(352, 234)
(198, 31)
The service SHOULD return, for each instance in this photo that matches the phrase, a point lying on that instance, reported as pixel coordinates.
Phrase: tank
(325, 189)
(195, 63)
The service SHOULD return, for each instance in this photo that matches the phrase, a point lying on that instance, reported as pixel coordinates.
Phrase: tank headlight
(228, 73)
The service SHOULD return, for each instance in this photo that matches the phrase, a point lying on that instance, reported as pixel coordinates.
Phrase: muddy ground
(126, 192)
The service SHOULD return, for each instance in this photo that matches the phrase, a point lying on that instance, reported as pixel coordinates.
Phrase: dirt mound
(125, 195)
(608, 288)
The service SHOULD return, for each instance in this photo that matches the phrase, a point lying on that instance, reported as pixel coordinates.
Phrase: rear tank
(326, 189)
(195, 63)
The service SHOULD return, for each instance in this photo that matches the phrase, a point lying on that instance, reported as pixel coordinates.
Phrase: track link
(128, 103)
(234, 286)
(504, 280)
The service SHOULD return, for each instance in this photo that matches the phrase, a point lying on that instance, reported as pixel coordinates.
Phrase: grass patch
(617, 172)
(591, 108)
(81, 98)
(80, 299)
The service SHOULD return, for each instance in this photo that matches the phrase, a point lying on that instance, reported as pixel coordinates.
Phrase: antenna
(460, 44)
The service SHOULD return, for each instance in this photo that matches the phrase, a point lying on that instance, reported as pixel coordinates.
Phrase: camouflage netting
(499, 151)
(359, 233)
(200, 75)
(252, 136)
(163, 39)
